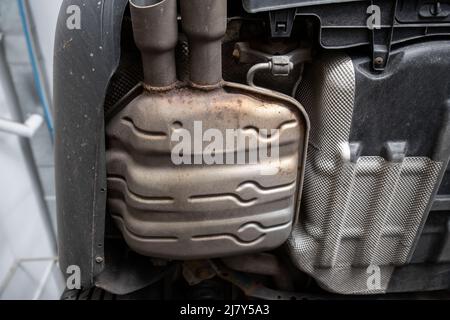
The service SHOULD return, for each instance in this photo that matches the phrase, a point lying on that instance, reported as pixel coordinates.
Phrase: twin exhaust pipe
(155, 31)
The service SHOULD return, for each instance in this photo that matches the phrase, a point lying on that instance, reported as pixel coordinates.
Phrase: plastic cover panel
(356, 211)
(253, 6)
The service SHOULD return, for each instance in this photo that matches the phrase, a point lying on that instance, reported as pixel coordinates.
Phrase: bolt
(379, 60)
(98, 259)
(236, 54)
(436, 9)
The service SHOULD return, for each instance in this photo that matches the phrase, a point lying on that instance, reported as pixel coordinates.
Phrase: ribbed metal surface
(191, 211)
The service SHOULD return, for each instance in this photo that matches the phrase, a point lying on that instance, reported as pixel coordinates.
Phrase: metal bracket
(381, 43)
(26, 130)
(254, 288)
(281, 22)
(246, 54)
(278, 65)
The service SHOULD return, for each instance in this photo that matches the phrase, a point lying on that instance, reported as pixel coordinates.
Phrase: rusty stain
(67, 43)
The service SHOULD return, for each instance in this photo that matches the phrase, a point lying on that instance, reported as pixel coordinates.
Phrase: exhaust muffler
(177, 185)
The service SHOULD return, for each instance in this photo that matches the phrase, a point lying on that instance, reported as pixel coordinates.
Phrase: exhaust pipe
(205, 24)
(156, 34)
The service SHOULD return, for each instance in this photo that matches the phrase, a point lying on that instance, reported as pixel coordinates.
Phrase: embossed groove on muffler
(189, 211)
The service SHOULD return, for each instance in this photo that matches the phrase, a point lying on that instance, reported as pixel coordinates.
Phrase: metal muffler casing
(195, 208)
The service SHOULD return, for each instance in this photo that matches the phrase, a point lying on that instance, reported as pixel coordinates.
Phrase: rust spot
(67, 43)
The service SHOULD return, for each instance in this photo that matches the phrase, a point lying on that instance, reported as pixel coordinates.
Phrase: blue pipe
(34, 65)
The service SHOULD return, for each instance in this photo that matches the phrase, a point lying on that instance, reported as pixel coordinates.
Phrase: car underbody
(353, 202)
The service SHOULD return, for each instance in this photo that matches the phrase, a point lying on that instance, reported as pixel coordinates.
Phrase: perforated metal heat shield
(358, 214)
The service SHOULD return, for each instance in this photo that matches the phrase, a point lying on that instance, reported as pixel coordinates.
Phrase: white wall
(22, 232)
